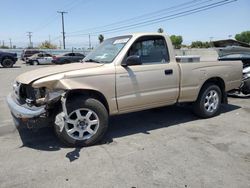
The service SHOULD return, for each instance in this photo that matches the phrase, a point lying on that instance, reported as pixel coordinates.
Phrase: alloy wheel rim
(211, 101)
(8, 63)
(82, 124)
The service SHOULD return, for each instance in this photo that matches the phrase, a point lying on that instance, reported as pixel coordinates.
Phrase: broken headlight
(44, 95)
(40, 92)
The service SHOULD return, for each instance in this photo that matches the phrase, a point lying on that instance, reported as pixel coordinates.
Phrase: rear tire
(65, 61)
(7, 63)
(87, 123)
(208, 102)
(35, 63)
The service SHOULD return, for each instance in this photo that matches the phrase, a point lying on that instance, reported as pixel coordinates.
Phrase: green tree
(196, 44)
(200, 44)
(243, 37)
(4, 47)
(206, 44)
(176, 41)
(101, 38)
(160, 30)
(47, 45)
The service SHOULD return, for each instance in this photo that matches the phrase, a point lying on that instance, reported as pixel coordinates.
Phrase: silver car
(40, 58)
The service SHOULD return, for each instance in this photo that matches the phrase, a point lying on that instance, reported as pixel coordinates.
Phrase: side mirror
(132, 60)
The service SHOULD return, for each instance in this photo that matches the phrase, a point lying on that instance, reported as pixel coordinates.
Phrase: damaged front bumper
(24, 115)
(24, 111)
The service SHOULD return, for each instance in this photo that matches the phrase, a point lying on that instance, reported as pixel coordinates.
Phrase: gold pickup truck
(124, 74)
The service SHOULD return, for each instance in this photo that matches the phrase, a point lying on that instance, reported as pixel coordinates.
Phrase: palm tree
(160, 30)
(101, 38)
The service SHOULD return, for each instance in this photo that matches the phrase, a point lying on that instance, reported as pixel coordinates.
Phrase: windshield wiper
(92, 60)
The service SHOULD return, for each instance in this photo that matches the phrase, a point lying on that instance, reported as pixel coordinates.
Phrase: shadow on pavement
(145, 121)
(42, 139)
(15, 66)
(119, 126)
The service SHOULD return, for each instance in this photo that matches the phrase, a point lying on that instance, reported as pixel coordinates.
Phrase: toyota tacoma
(124, 74)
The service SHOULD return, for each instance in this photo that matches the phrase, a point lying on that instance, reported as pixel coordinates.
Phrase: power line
(157, 20)
(160, 19)
(55, 38)
(146, 19)
(43, 26)
(53, 18)
(62, 13)
(146, 16)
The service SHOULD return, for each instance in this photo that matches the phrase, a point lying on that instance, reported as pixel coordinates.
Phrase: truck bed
(194, 74)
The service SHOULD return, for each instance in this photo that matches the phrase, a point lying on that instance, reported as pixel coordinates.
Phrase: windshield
(108, 50)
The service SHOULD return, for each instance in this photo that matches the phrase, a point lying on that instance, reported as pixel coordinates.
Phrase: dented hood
(30, 76)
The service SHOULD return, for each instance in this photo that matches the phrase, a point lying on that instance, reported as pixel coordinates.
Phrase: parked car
(124, 74)
(232, 50)
(68, 58)
(40, 59)
(7, 59)
(29, 52)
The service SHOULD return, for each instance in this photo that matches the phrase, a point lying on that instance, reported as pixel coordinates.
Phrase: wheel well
(219, 82)
(88, 93)
(8, 57)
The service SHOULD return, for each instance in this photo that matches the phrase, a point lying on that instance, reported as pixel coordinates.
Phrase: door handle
(168, 71)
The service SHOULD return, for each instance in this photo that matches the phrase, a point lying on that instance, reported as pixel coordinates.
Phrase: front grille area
(25, 91)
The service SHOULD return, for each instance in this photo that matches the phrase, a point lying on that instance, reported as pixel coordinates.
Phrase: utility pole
(210, 42)
(89, 42)
(63, 12)
(10, 43)
(30, 35)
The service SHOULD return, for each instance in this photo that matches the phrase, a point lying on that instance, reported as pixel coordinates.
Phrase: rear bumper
(23, 111)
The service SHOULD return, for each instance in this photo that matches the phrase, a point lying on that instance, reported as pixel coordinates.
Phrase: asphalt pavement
(164, 147)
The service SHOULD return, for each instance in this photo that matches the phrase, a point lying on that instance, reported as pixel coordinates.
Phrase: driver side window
(152, 50)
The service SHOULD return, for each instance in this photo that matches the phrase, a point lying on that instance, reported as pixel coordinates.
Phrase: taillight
(54, 57)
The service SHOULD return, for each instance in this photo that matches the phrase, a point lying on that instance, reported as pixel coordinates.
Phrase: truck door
(153, 83)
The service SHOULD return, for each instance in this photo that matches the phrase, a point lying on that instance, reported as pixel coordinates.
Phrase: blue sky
(41, 17)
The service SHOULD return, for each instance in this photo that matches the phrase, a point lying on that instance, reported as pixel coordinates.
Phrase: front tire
(35, 62)
(86, 124)
(208, 102)
(7, 63)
